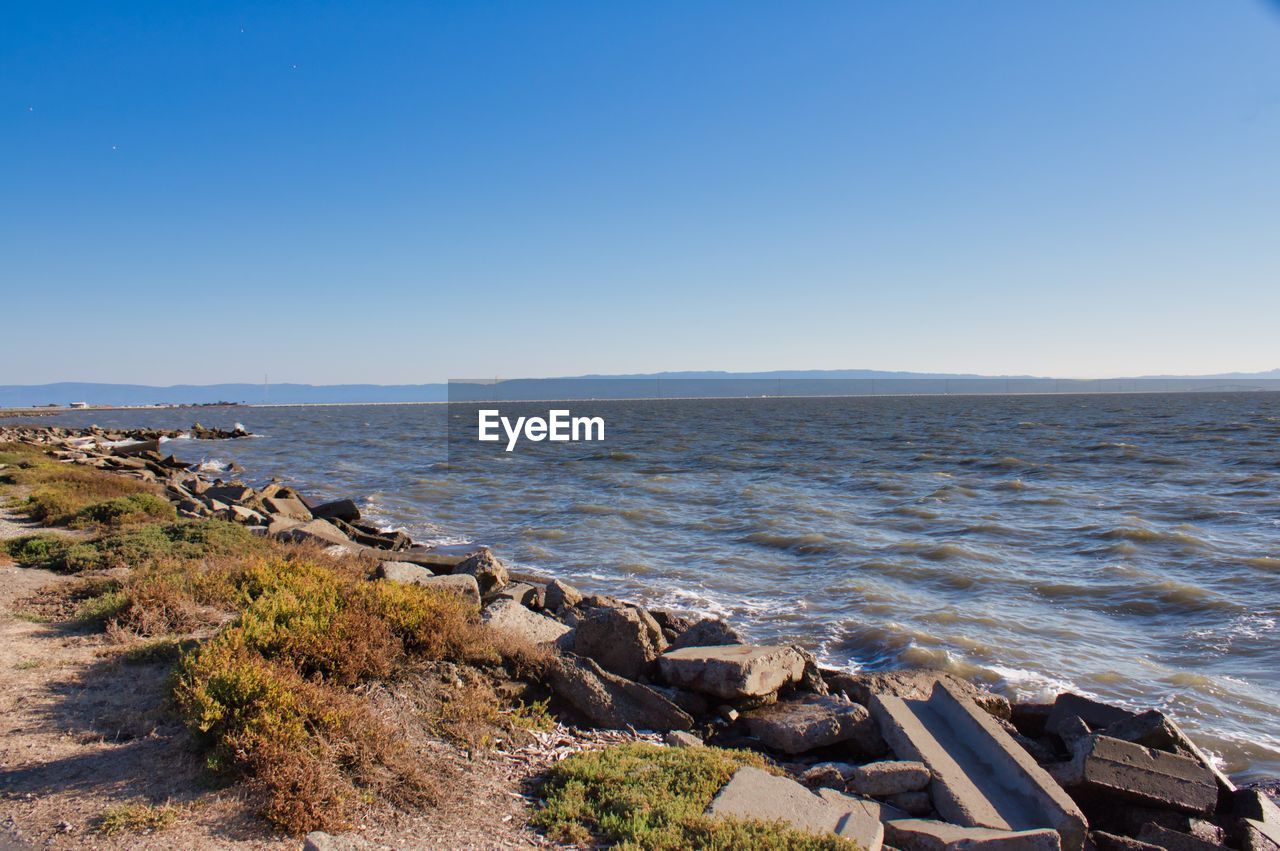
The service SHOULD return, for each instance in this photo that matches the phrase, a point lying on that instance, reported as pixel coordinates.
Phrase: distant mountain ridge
(64, 393)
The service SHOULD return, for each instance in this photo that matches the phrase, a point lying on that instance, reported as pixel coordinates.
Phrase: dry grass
(66, 493)
(137, 818)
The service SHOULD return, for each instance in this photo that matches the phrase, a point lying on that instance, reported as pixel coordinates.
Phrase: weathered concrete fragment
(889, 777)
(1144, 775)
(1104, 841)
(485, 567)
(756, 794)
(1154, 729)
(911, 684)
(981, 776)
(561, 595)
(406, 574)
(610, 701)
(1095, 714)
(286, 507)
(708, 632)
(314, 531)
(1173, 840)
(733, 671)
(797, 726)
(339, 509)
(929, 835)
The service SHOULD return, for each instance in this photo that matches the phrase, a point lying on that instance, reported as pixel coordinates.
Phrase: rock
(610, 701)
(527, 595)
(1258, 836)
(286, 507)
(1143, 775)
(912, 684)
(411, 574)
(623, 641)
(561, 595)
(695, 704)
(320, 841)
(929, 835)
(229, 493)
(911, 803)
(315, 531)
(1173, 840)
(881, 779)
(829, 774)
(708, 632)
(513, 618)
(1154, 729)
(1104, 841)
(756, 794)
(488, 571)
(681, 739)
(1030, 718)
(1259, 820)
(241, 514)
(732, 672)
(672, 624)
(797, 726)
(981, 776)
(339, 509)
(1093, 713)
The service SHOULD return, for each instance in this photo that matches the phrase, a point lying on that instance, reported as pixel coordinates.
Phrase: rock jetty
(915, 760)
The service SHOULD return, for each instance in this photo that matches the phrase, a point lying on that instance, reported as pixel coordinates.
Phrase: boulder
(610, 701)
(529, 596)
(488, 571)
(339, 509)
(1095, 714)
(511, 617)
(625, 642)
(732, 672)
(797, 726)
(406, 574)
(561, 595)
(890, 777)
(929, 835)
(829, 774)
(708, 632)
(753, 793)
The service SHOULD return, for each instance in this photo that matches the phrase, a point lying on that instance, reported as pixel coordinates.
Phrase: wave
(805, 543)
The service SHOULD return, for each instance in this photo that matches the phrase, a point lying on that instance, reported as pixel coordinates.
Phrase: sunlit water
(1124, 546)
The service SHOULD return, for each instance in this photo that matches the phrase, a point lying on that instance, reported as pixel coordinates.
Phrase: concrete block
(1173, 840)
(755, 794)
(1144, 775)
(981, 776)
(732, 671)
(929, 835)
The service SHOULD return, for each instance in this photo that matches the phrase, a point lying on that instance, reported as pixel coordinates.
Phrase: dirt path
(83, 731)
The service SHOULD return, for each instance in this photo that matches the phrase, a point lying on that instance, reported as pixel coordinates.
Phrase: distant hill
(690, 383)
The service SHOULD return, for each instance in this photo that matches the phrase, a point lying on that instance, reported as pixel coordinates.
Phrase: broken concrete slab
(1092, 712)
(411, 574)
(610, 701)
(1144, 775)
(753, 793)
(1104, 841)
(930, 835)
(312, 531)
(1258, 836)
(339, 509)
(681, 739)
(981, 776)
(911, 803)
(733, 671)
(625, 641)
(1154, 729)
(286, 507)
(485, 567)
(911, 684)
(889, 777)
(1173, 840)
(814, 721)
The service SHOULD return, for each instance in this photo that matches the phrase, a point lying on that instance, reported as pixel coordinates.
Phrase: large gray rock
(708, 632)
(625, 642)
(756, 794)
(339, 509)
(490, 573)
(312, 531)
(561, 595)
(1133, 773)
(1154, 729)
(525, 594)
(610, 701)
(286, 507)
(510, 617)
(1258, 820)
(929, 835)
(797, 726)
(732, 672)
(889, 777)
(411, 574)
(981, 776)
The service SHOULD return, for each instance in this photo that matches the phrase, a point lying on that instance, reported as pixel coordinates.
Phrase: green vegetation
(37, 550)
(185, 540)
(137, 818)
(102, 608)
(646, 797)
(122, 510)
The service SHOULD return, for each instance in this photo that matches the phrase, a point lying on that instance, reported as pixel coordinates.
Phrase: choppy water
(1124, 546)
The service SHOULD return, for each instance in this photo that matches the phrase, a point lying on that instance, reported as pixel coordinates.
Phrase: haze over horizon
(346, 194)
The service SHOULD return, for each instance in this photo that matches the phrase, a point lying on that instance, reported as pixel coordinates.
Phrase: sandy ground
(81, 732)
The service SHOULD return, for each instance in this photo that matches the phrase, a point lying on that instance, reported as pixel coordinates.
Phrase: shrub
(143, 545)
(60, 491)
(134, 508)
(136, 818)
(102, 608)
(37, 550)
(643, 796)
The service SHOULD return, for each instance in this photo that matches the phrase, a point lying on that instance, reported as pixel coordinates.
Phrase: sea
(1123, 546)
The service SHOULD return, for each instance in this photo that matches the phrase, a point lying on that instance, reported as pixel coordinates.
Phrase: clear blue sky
(407, 192)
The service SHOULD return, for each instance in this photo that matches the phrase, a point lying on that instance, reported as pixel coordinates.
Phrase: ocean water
(1125, 546)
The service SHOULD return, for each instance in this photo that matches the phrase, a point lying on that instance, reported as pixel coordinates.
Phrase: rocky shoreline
(915, 760)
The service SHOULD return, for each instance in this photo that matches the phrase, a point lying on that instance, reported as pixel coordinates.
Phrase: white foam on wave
(1035, 686)
(213, 465)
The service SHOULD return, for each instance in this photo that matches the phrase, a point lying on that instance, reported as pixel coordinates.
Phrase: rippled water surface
(1125, 546)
